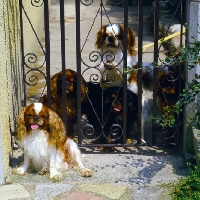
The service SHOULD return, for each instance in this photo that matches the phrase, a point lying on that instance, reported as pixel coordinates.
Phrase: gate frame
(78, 59)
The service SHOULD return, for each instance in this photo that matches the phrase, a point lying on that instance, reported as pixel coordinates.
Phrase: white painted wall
(1, 160)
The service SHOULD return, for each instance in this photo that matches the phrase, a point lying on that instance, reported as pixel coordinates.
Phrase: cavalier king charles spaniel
(113, 105)
(47, 148)
(109, 42)
(71, 96)
(104, 112)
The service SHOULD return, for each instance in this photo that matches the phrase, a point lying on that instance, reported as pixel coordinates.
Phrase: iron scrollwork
(116, 132)
(37, 3)
(116, 2)
(86, 2)
(30, 59)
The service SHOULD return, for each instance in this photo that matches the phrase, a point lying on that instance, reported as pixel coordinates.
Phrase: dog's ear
(131, 39)
(84, 89)
(99, 37)
(54, 86)
(43, 99)
(57, 128)
(161, 78)
(21, 127)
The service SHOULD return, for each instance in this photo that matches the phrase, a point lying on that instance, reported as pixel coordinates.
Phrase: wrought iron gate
(107, 132)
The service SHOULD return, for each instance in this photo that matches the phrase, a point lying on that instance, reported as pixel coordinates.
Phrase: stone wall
(193, 19)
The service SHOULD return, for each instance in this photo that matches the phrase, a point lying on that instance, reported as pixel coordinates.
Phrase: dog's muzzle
(36, 118)
(111, 42)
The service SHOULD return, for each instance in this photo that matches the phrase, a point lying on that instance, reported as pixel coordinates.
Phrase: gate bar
(78, 63)
(156, 54)
(126, 145)
(62, 31)
(124, 75)
(139, 81)
(180, 82)
(47, 48)
(22, 52)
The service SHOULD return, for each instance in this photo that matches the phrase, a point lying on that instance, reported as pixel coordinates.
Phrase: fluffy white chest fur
(115, 72)
(116, 57)
(36, 147)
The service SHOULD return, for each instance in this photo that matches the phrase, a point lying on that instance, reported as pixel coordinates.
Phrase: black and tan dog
(114, 105)
(104, 111)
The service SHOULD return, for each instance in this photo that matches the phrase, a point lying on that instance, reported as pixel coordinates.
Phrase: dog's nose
(168, 87)
(110, 39)
(67, 83)
(116, 102)
(36, 117)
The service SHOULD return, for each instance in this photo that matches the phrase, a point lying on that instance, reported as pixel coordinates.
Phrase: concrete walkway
(126, 174)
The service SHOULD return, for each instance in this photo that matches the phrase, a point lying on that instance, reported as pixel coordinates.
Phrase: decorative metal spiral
(172, 76)
(29, 59)
(116, 132)
(109, 56)
(32, 78)
(116, 2)
(110, 78)
(95, 56)
(166, 133)
(94, 78)
(90, 134)
(37, 3)
(95, 74)
(172, 72)
(86, 2)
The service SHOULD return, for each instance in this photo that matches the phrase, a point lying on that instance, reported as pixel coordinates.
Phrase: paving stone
(8, 192)
(80, 195)
(46, 192)
(109, 191)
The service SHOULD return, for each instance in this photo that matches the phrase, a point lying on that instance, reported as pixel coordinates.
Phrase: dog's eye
(28, 115)
(114, 96)
(119, 37)
(105, 36)
(43, 116)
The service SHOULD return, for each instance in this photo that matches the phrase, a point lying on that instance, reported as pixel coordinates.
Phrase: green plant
(187, 96)
(190, 55)
(187, 188)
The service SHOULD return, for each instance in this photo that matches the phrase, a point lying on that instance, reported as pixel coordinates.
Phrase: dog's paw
(56, 177)
(44, 171)
(19, 171)
(85, 172)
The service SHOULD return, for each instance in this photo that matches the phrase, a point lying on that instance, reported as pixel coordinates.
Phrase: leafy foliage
(187, 188)
(189, 54)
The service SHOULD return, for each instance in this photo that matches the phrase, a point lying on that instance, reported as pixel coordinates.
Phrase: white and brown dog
(109, 42)
(42, 134)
